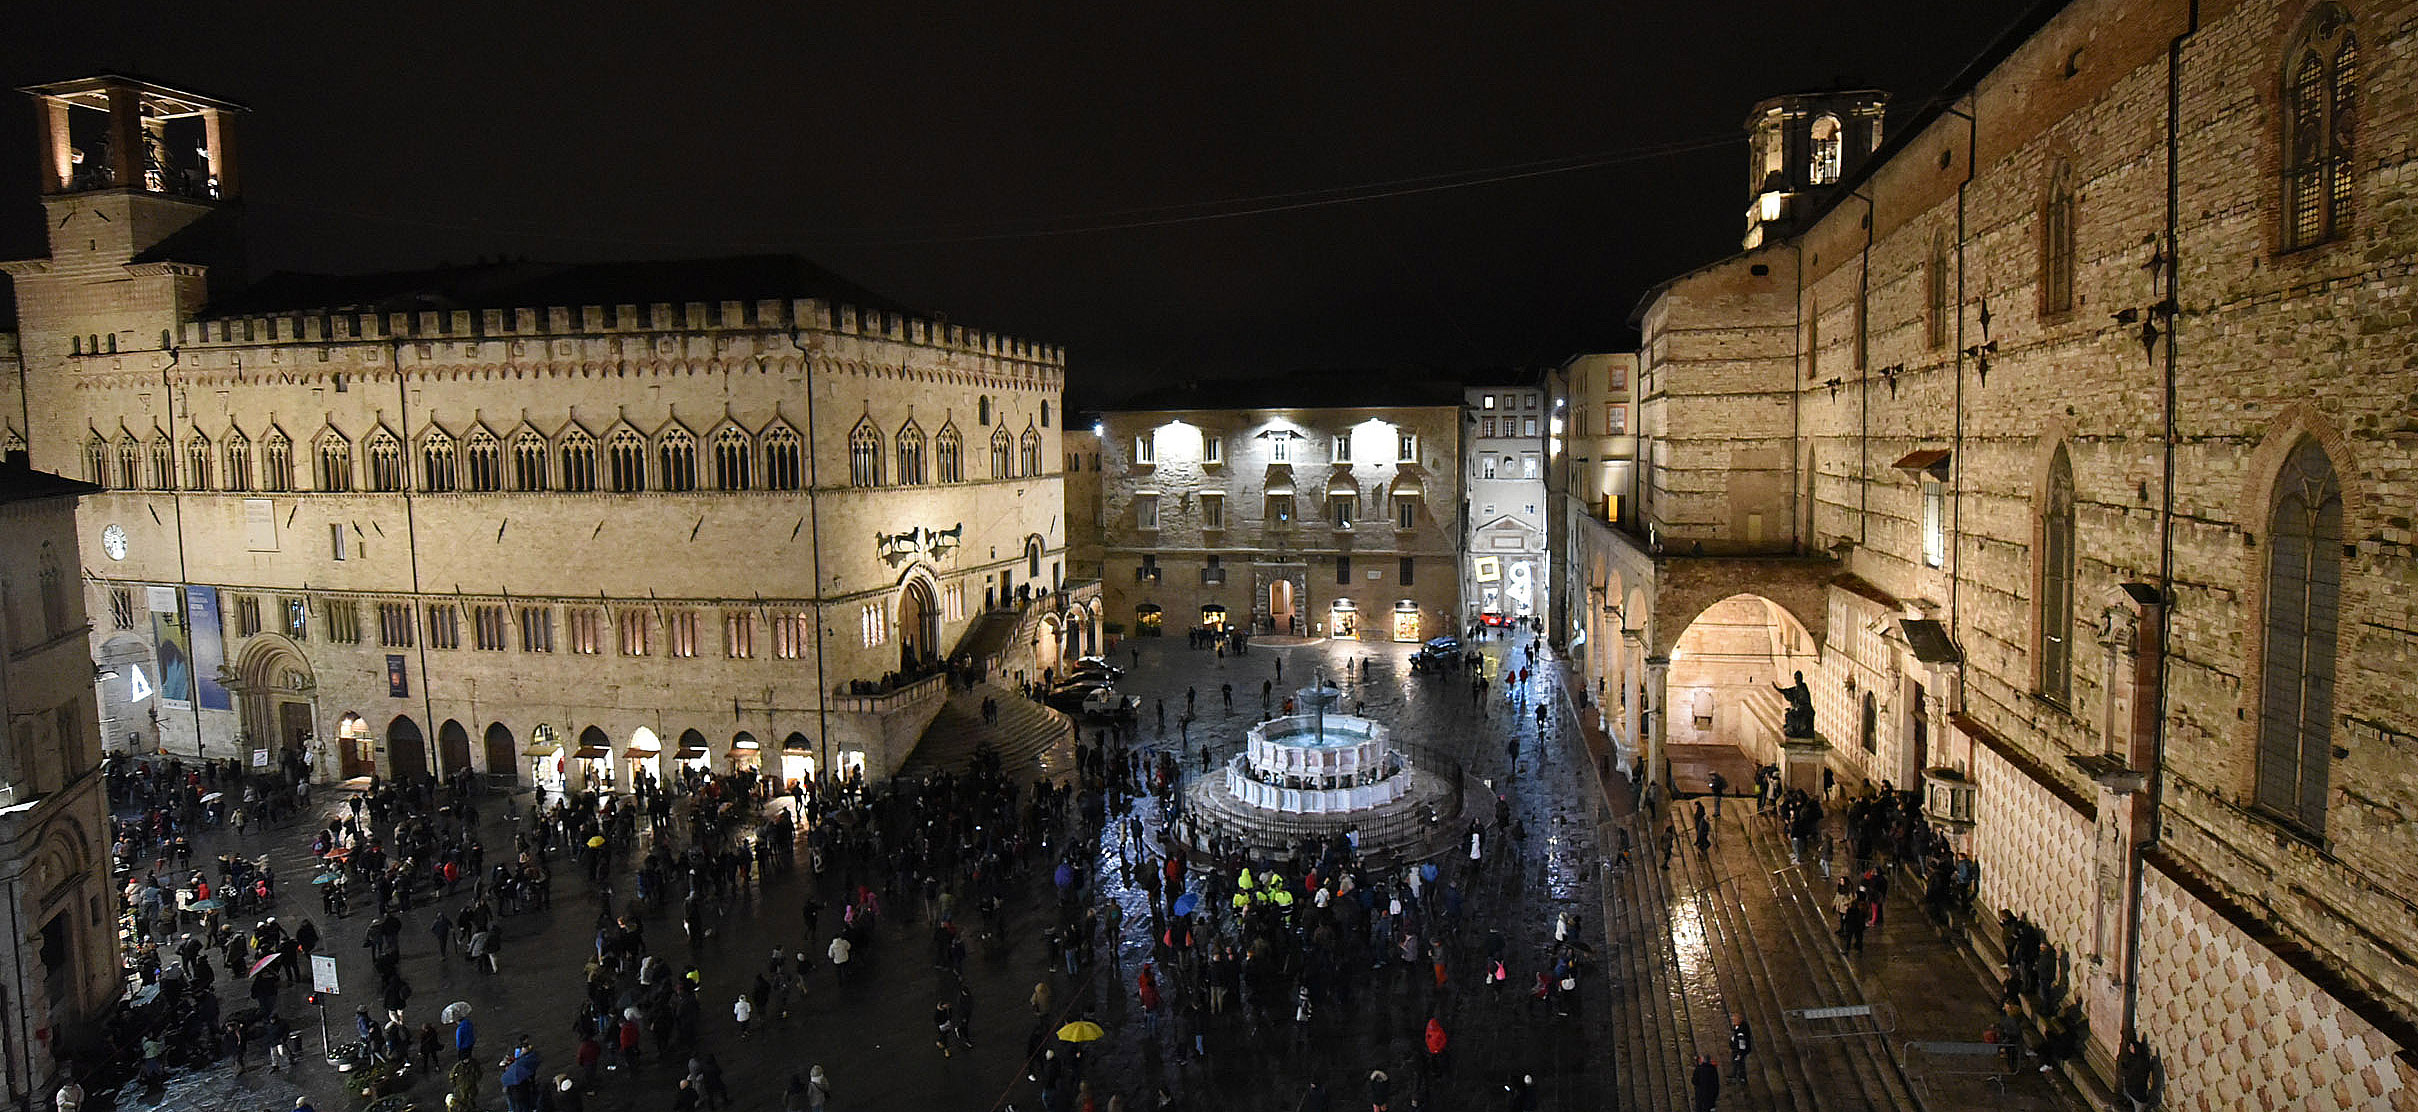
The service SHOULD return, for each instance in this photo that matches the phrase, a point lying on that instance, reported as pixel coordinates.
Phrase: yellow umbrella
(596, 841)
(1081, 1031)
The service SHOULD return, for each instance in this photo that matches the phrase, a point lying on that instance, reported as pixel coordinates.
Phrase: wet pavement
(874, 1037)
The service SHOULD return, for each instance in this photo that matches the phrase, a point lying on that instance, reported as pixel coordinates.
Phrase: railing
(930, 688)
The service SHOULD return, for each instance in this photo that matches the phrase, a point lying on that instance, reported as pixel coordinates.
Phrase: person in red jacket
(1146, 986)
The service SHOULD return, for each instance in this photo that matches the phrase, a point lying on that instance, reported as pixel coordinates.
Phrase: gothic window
(335, 461)
(2057, 563)
(1000, 445)
(2320, 83)
(130, 462)
(528, 460)
(625, 455)
(782, 470)
(2304, 589)
(731, 451)
(1045, 415)
(911, 454)
(385, 462)
(949, 453)
(437, 462)
(96, 461)
(578, 454)
(483, 461)
(197, 462)
(163, 461)
(1935, 321)
(864, 455)
(54, 594)
(1827, 151)
(2057, 241)
(1028, 448)
(679, 452)
(239, 460)
(276, 461)
(982, 411)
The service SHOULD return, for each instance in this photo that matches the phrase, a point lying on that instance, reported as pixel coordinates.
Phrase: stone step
(1777, 1074)
(1655, 1010)
(1028, 737)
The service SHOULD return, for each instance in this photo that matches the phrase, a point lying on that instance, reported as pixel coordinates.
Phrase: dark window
(1343, 570)
(2057, 242)
(2320, 86)
(1407, 578)
(2057, 582)
(2304, 589)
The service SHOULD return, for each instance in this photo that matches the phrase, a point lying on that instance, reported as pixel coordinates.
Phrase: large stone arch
(275, 692)
(1684, 588)
(1723, 668)
(406, 750)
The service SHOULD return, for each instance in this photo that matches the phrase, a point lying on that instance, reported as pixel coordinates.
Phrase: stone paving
(874, 1037)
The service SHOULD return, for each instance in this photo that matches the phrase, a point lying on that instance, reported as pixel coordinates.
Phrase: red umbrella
(263, 963)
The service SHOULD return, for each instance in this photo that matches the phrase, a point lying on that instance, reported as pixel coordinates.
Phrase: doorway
(499, 748)
(406, 751)
(356, 750)
(1343, 620)
(918, 625)
(453, 748)
(293, 727)
(1282, 615)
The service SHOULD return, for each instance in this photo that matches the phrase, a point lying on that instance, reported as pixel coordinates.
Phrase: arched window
(483, 461)
(335, 461)
(625, 456)
(578, 454)
(2320, 83)
(1028, 451)
(731, 449)
(437, 474)
(948, 451)
(2056, 593)
(911, 454)
(1045, 415)
(163, 461)
(782, 469)
(276, 461)
(679, 452)
(2057, 241)
(1032, 559)
(54, 593)
(982, 410)
(239, 460)
(1826, 151)
(96, 460)
(197, 462)
(2304, 598)
(528, 460)
(1937, 324)
(864, 455)
(130, 462)
(1001, 443)
(385, 461)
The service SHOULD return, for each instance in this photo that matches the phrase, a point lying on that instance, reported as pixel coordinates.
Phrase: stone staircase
(1737, 930)
(1033, 741)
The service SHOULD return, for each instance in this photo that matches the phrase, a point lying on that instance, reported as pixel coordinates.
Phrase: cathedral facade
(2062, 438)
(557, 524)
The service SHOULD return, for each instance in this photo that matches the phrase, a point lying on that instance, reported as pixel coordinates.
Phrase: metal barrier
(1982, 1061)
(1840, 1021)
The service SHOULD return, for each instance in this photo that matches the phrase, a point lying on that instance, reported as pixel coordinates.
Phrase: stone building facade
(61, 960)
(534, 521)
(2068, 445)
(1312, 521)
(1591, 482)
(1506, 574)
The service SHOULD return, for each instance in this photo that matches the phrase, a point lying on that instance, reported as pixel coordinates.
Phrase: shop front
(1343, 619)
(746, 755)
(545, 757)
(693, 755)
(1406, 621)
(797, 761)
(591, 767)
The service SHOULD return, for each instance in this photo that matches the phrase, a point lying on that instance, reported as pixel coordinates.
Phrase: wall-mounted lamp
(1834, 383)
(1889, 375)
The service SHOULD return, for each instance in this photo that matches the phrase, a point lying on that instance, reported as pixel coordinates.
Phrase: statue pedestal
(1801, 764)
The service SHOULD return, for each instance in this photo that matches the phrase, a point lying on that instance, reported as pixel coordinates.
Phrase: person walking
(1706, 1081)
(1742, 1043)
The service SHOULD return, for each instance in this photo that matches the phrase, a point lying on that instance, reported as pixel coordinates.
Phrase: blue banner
(209, 647)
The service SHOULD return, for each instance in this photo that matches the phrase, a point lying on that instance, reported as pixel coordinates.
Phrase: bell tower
(1799, 147)
(142, 200)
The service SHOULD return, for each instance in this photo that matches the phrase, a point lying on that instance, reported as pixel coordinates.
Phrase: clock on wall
(113, 542)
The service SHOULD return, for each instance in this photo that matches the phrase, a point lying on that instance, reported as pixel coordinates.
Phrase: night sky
(1172, 192)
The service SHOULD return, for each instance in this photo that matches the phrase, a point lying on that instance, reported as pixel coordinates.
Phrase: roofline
(105, 80)
(1107, 410)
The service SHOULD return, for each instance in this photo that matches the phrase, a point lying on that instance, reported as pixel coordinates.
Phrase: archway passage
(276, 683)
(356, 749)
(498, 744)
(1281, 613)
(1722, 707)
(453, 747)
(406, 751)
(918, 626)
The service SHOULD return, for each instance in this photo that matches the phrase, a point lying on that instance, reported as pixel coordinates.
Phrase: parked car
(1108, 703)
(1095, 666)
(1438, 650)
(1069, 697)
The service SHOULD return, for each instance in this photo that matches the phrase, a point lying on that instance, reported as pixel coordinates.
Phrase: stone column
(1654, 719)
(2128, 635)
(1624, 683)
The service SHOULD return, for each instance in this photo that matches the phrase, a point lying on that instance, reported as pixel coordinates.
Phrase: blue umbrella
(1427, 871)
(1066, 875)
(324, 878)
(1185, 903)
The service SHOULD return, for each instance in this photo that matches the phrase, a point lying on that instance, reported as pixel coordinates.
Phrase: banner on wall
(175, 657)
(209, 646)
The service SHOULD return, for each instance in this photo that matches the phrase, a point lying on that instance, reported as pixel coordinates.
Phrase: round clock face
(113, 542)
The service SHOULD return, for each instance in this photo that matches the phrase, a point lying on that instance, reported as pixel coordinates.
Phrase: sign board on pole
(260, 758)
(323, 973)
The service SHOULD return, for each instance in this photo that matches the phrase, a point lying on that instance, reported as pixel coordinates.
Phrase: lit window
(1486, 467)
(1213, 511)
(1406, 448)
(297, 618)
(2320, 87)
(1828, 151)
(1280, 448)
(1935, 523)
(634, 629)
(680, 632)
(1343, 448)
